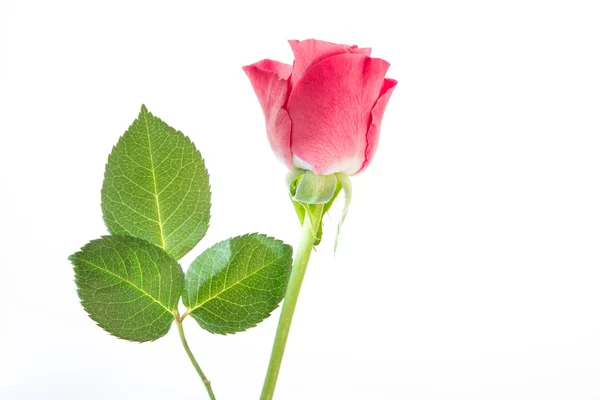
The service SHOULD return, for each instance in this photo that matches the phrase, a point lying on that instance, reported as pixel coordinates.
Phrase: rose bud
(323, 114)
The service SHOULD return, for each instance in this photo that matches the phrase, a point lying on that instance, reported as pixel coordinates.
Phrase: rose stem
(305, 247)
(205, 380)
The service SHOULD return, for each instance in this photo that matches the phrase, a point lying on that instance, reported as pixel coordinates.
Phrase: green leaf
(130, 287)
(156, 187)
(237, 283)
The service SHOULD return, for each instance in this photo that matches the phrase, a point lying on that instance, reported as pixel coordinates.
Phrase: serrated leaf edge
(172, 312)
(74, 258)
(144, 110)
(287, 249)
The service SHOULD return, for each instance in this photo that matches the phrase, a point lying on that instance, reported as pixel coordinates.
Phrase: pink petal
(330, 109)
(282, 70)
(376, 117)
(269, 79)
(311, 51)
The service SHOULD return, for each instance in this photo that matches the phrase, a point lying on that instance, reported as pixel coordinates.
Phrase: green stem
(305, 246)
(205, 380)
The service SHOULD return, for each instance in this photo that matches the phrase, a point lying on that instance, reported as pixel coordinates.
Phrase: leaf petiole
(185, 314)
(205, 380)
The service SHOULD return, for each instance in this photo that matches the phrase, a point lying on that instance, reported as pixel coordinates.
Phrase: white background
(469, 266)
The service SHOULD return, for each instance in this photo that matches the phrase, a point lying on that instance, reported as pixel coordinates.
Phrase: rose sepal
(313, 195)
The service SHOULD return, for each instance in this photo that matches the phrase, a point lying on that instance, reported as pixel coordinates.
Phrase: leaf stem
(307, 240)
(185, 314)
(205, 380)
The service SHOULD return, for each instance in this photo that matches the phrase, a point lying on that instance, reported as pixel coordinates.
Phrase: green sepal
(326, 207)
(315, 189)
(344, 181)
(292, 179)
(308, 192)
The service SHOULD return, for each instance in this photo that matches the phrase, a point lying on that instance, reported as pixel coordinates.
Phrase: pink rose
(324, 113)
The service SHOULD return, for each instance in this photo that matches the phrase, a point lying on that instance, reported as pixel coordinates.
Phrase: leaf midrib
(160, 225)
(191, 310)
(128, 282)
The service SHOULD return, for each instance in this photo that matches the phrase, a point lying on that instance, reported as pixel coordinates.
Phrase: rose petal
(311, 51)
(282, 70)
(376, 117)
(269, 80)
(330, 109)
